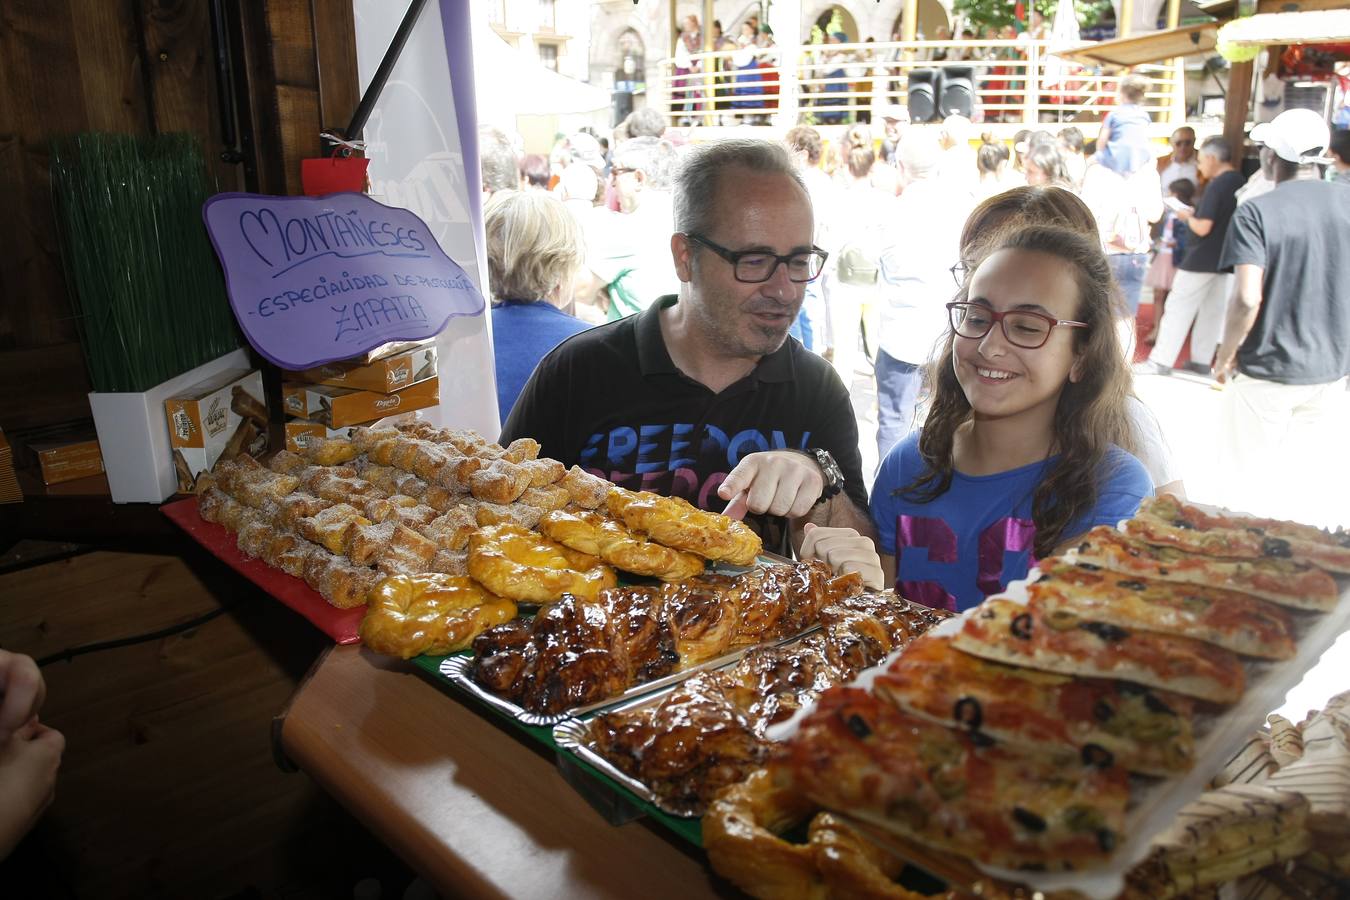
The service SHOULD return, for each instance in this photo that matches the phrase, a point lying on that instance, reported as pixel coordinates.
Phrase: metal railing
(1015, 82)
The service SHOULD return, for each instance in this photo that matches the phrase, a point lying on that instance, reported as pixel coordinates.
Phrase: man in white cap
(895, 120)
(1285, 353)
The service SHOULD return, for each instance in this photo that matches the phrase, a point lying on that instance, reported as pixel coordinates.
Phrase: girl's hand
(843, 550)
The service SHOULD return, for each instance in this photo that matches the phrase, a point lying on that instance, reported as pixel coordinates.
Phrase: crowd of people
(901, 220)
(839, 78)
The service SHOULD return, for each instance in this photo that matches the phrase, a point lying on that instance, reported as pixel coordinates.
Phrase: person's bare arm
(1197, 227)
(1243, 308)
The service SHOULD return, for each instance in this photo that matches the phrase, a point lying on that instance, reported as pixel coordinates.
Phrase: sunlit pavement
(1188, 410)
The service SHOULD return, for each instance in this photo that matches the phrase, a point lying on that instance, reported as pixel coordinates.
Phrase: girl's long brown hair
(1091, 412)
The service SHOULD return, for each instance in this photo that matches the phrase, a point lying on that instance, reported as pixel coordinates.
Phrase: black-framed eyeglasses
(959, 272)
(616, 171)
(1022, 327)
(758, 266)
(1183, 142)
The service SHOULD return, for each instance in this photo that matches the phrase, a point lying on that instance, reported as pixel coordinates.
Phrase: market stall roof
(1147, 48)
(1313, 27)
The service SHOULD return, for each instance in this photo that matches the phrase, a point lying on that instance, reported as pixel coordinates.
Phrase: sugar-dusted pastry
(330, 527)
(586, 490)
(330, 451)
(544, 472)
(450, 562)
(452, 529)
(288, 463)
(293, 507)
(521, 449)
(408, 553)
(522, 514)
(341, 583)
(514, 562)
(500, 482)
(546, 498)
(430, 614)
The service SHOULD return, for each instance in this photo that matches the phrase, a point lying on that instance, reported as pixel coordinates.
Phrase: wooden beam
(1236, 105)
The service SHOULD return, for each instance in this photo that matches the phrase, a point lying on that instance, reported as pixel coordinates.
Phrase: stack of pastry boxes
(327, 400)
(218, 418)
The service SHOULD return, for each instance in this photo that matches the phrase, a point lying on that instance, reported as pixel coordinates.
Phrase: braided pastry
(676, 523)
(598, 535)
(740, 833)
(430, 614)
(515, 562)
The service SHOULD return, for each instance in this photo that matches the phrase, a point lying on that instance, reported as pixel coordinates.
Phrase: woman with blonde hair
(534, 249)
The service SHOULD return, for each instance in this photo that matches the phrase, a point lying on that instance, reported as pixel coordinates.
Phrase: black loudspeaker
(956, 92)
(922, 101)
(621, 105)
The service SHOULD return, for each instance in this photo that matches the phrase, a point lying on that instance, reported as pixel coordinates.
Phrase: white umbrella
(1063, 36)
(501, 71)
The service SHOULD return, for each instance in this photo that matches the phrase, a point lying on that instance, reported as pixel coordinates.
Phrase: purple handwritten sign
(317, 279)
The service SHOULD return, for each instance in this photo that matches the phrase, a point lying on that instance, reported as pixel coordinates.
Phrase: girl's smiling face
(1000, 379)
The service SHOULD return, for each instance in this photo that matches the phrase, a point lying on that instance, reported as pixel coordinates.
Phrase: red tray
(339, 624)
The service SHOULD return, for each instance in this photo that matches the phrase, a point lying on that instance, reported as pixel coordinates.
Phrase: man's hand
(844, 550)
(29, 759)
(776, 482)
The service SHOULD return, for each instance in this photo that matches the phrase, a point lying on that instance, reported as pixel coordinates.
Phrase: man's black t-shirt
(1299, 233)
(611, 400)
(1216, 204)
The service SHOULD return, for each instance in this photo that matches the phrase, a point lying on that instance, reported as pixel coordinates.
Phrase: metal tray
(458, 670)
(570, 736)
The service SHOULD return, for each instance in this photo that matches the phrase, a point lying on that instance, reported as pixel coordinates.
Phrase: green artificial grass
(147, 290)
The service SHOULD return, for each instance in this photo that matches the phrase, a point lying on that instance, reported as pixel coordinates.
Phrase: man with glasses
(1181, 163)
(626, 249)
(702, 395)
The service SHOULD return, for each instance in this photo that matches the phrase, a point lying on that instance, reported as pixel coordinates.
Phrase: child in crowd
(1165, 258)
(1022, 449)
(1122, 143)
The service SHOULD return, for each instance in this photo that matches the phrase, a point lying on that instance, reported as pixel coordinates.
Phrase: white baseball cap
(1294, 135)
(586, 149)
(895, 111)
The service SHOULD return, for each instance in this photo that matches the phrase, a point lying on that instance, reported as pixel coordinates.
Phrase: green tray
(615, 801)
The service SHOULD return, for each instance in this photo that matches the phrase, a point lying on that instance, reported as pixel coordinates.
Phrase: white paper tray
(1154, 803)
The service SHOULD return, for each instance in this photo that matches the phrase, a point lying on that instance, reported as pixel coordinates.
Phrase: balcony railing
(1016, 83)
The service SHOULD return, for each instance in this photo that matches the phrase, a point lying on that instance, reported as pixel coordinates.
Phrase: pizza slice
(1278, 580)
(1237, 622)
(1007, 632)
(952, 790)
(1098, 721)
(1187, 525)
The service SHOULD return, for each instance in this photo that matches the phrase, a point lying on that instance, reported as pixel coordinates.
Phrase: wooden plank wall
(141, 67)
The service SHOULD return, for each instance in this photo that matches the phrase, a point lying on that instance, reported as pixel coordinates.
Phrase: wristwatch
(834, 476)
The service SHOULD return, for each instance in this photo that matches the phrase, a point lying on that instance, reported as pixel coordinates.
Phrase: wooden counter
(466, 802)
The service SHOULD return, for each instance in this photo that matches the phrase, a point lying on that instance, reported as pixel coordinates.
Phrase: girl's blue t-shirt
(977, 537)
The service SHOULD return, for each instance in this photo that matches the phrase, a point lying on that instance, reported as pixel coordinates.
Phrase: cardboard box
(337, 407)
(384, 376)
(299, 431)
(67, 461)
(134, 436)
(217, 418)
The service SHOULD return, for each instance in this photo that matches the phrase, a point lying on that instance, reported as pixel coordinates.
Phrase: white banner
(422, 142)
